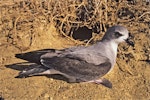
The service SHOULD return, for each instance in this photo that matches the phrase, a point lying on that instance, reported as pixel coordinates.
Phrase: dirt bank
(32, 25)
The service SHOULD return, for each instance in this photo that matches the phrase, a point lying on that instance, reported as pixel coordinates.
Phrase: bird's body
(81, 64)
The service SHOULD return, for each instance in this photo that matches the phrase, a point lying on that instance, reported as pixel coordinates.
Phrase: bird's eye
(117, 34)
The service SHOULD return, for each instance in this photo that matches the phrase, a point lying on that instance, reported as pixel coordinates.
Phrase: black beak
(129, 40)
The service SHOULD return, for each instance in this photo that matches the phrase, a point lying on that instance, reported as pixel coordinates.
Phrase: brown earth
(27, 25)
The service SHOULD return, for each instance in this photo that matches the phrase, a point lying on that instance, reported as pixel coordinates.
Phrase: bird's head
(118, 34)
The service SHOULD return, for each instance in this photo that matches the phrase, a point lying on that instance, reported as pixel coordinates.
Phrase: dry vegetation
(26, 25)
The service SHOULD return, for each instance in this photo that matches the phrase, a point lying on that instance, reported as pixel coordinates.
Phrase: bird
(79, 64)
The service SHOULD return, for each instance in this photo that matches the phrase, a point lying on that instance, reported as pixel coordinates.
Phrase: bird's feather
(78, 68)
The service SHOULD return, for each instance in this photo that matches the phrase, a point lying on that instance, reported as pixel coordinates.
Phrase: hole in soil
(84, 33)
(81, 33)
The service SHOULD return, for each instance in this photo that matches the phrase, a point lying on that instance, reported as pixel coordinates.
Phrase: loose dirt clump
(27, 25)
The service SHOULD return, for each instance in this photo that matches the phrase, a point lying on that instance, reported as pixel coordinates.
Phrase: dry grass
(27, 25)
(21, 19)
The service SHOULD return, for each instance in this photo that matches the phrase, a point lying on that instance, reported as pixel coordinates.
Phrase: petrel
(79, 63)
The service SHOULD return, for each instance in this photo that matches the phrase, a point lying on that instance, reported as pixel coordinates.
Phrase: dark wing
(78, 68)
(35, 56)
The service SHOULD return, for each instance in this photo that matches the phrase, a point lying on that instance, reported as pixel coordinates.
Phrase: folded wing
(77, 66)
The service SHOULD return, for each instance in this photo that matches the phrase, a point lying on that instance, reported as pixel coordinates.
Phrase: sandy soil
(20, 31)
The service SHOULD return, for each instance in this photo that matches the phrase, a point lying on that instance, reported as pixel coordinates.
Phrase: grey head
(117, 34)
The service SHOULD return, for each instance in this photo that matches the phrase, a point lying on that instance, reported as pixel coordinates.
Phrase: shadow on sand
(26, 66)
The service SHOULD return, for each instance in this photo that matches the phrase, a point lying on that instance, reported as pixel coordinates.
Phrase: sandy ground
(130, 76)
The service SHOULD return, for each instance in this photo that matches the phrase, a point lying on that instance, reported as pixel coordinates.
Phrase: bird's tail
(34, 56)
(32, 71)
